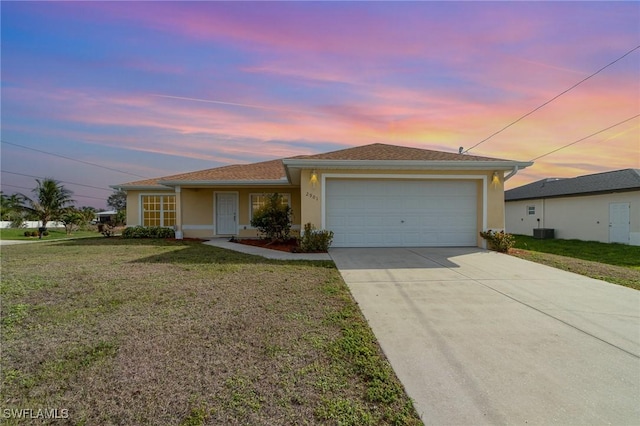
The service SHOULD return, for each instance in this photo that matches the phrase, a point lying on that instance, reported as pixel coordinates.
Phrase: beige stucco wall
(495, 203)
(310, 199)
(584, 218)
(198, 208)
(311, 194)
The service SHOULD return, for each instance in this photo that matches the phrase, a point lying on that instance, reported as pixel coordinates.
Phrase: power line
(586, 137)
(79, 195)
(16, 186)
(73, 159)
(62, 181)
(554, 98)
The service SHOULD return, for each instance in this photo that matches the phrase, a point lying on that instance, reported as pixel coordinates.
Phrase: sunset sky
(158, 88)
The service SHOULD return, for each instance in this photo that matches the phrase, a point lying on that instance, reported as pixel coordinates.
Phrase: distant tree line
(52, 202)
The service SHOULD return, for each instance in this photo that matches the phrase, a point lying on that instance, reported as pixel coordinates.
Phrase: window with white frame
(259, 200)
(531, 210)
(158, 210)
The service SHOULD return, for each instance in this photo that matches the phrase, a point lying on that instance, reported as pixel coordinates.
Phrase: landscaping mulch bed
(290, 246)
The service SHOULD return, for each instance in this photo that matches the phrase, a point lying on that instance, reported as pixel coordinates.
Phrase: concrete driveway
(479, 337)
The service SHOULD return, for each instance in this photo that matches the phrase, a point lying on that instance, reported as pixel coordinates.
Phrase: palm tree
(51, 199)
(89, 213)
(10, 205)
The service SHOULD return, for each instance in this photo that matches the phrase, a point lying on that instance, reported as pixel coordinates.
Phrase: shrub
(121, 218)
(135, 232)
(106, 229)
(90, 227)
(34, 234)
(499, 241)
(273, 219)
(45, 233)
(72, 220)
(158, 232)
(315, 240)
(27, 233)
(148, 232)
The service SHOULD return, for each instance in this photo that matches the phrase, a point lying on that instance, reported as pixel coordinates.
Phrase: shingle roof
(614, 181)
(275, 169)
(142, 183)
(266, 170)
(380, 151)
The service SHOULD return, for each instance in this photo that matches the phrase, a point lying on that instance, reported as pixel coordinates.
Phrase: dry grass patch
(626, 276)
(158, 332)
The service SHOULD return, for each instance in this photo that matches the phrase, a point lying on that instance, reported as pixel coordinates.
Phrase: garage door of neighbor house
(401, 213)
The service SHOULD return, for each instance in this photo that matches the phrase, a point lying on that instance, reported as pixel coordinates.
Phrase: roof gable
(382, 152)
(617, 180)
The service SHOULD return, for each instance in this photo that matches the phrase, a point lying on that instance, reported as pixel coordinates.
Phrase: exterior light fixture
(495, 179)
(314, 178)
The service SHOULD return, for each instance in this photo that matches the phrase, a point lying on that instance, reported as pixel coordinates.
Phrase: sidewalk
(267, 253)
(13, 242)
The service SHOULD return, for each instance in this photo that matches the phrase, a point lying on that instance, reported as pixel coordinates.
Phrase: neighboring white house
(106, 216)
(601, 207)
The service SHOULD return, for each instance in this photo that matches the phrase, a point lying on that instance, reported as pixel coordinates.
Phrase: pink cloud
(371, 30)
(401, 117)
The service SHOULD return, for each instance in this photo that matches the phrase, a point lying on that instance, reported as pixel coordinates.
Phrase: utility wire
(78, 195)
(554, 98)
(16, 186)
(586, 137)
(62, 181)
(74, 159)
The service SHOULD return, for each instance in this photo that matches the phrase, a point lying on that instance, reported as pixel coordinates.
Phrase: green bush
(72, 220)
(27, 233)
(273, 219)
(121, 218)
(315, 240)
(148, 232)
(499, 241)
(135, 232)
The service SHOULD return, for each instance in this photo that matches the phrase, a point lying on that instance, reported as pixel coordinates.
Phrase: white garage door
(401, 213)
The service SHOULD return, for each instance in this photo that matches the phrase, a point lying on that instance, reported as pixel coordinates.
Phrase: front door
(619, 223)
(226, 213)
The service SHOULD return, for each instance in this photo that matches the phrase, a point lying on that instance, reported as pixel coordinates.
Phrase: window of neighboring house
(259, 200)
(158, 210)
(531, 210)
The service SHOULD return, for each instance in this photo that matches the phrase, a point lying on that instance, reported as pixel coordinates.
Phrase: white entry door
(226, 213)
(619, 223)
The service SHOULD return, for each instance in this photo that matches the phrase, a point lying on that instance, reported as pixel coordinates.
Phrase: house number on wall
(312, 196)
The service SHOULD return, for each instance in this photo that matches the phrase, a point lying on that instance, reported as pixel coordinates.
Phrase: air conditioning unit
(543, 233)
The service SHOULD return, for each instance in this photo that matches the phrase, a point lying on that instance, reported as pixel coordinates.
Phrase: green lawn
(54, 234)
(611, 254)
(168, 332)
(614, 263)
